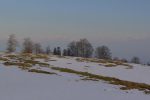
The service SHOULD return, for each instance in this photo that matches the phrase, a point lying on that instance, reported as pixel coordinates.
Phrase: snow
(138, 73)
(17, 84)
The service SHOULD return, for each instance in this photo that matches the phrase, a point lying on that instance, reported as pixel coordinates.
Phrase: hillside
(42, 77)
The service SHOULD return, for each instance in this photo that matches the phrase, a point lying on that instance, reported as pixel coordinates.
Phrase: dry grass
(52, 60)
(34, 56)
(23, 66)
(40, 56)
(110, 65)
(126, 85)
(36, 62)
(31, 62)
(107, 63)
(128, 65)
(43, 64)
(40, 71)
(11, 56)
(24, 60)
(90, 60)
(17, 64)
(3, 59)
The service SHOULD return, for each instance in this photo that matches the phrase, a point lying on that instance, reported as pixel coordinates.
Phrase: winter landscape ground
(74, 49)
(42, 77)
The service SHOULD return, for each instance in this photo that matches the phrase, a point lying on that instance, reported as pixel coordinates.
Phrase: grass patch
(110, 65)
(126, 85)
(11, 56)
(3, 59)
(129, 66)
(40, 56)
(17, 64)
(31, 62)
(92, 60)
(52, 60)
(34, 56)
(23, 66)
(40, 71)
(24, 61)
(36, 62)
(43, 64)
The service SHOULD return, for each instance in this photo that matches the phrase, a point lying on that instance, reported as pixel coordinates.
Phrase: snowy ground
(16, 84)
(139, 73)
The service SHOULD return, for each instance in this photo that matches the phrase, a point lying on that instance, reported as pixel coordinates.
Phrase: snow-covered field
(17, 84)
(139, 73)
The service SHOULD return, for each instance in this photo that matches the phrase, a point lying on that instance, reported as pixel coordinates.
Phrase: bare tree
(85, 48)
(48, 50)
(82, 48)
(148, 63)
(28, 45)
(103, 52)
(55, 51)
(12, 43)
(38, 48)
(69, 53)
(124, 60)
(116, 58)
(135, 60)
(65, 52)
(59, 51)
(73, 49)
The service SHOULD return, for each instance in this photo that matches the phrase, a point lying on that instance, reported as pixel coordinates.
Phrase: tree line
(81, 48)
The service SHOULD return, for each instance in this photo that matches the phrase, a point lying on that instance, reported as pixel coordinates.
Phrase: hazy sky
(124, 25)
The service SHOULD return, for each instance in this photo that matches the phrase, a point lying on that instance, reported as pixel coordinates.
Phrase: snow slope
(17, 84)
(139, 73)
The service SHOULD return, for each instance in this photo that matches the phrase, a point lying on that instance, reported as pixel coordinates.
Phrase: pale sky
(123, 25)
